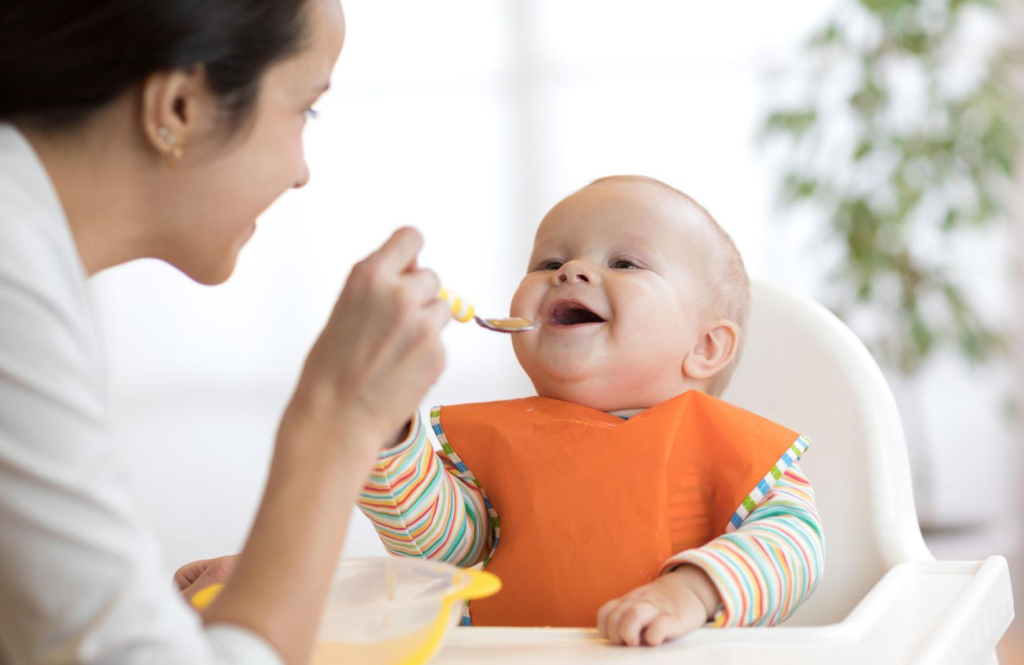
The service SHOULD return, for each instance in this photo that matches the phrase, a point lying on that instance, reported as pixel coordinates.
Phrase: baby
(626, 493)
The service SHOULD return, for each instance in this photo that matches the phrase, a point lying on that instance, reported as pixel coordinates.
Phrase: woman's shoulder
(47, 327)
(33, 228)
(37, 250)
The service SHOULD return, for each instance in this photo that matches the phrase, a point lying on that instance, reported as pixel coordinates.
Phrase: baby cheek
(524, 346)
(524, 301)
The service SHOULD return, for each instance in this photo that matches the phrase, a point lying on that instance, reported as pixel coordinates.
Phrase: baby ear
(713, 351)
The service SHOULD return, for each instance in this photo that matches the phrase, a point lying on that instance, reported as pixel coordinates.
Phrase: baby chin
(598, 382)
(595, 389)
(601, 397)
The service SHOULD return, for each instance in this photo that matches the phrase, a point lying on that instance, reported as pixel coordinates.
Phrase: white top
(80, 574)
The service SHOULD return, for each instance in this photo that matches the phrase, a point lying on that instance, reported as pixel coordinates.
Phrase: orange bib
(591, 506)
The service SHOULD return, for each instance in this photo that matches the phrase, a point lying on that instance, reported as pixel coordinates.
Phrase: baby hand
(671, 606)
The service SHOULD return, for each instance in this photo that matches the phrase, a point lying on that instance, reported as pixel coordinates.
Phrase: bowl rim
(459, 580)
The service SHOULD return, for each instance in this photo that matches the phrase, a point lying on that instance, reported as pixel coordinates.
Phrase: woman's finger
(398, 253)
(380, 350)
(417, 326)
(189, 573)
(424, 284)
(424, 359)
(440, 313)
(201, 574)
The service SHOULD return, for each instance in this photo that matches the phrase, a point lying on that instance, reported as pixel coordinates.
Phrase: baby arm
(777, 552)
(421, 506)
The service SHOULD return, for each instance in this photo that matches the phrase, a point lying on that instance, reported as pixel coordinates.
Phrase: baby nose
(574, 271)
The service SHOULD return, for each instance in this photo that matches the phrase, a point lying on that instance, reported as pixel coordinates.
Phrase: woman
(130, 129)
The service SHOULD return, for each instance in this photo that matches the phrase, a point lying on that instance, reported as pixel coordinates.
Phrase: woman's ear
(177, 106)
(713, 351)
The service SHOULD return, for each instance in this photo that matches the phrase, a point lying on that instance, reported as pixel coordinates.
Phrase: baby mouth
(572, 314)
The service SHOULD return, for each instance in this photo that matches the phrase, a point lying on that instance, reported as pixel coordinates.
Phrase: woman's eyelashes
(311, 113)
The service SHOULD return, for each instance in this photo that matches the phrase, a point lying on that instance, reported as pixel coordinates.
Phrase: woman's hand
(196, 576)
(671, 606)
(380, 350)
(364, 377)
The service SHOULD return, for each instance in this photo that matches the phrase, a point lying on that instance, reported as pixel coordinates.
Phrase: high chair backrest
(803, 368)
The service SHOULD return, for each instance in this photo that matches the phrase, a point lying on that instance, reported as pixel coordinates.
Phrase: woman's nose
(303, 177)
(574, 272)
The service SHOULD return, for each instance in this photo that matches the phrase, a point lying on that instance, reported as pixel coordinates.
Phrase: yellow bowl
(387, 611)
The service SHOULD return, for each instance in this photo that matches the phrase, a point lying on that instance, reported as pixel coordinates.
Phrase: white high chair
(883, 598)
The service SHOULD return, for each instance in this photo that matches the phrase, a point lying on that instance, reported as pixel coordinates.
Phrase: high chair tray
(920, 612)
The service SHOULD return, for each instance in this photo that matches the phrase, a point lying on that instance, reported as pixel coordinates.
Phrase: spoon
(463, 311)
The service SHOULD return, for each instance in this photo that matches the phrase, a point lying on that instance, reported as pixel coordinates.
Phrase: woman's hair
(61, 60)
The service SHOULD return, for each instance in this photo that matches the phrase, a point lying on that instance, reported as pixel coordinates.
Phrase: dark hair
(61, 60)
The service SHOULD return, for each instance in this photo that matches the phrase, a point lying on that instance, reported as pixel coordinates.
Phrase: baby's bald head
(725, 284)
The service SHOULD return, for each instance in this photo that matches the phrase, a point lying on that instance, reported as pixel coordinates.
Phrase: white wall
(467, 119)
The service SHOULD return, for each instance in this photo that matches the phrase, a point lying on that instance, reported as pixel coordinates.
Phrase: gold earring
(176, 152)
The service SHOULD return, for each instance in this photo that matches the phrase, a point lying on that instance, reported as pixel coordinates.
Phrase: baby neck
(615, 398)
(626, 413)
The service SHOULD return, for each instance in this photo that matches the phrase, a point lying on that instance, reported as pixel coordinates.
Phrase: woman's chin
(208, 274)
(211, 267)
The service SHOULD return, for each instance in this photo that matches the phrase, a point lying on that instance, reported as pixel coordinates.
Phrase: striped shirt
(769, 561)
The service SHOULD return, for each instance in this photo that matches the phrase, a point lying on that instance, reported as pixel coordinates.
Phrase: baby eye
(550, 265)
(623, 264)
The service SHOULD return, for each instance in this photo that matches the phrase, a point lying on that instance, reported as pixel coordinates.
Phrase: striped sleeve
(420, 505)
(772, 562)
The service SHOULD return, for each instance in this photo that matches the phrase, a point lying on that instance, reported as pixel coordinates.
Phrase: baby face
(615, 282)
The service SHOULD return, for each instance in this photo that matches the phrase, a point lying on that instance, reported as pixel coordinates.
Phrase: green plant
(895, 173)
